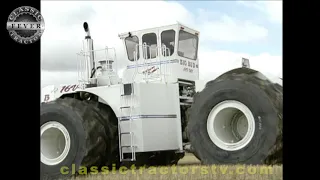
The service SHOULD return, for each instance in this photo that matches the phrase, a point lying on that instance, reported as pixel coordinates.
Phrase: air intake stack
(89, 55)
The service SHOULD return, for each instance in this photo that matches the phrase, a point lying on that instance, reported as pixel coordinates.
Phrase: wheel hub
(239, 125)
(55, 143)
(231, 125)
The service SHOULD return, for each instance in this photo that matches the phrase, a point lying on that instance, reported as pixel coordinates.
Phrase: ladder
(126, 90)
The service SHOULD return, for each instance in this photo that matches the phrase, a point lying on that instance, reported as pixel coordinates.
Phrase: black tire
(264, 100)
(275, 154)
(91, 135)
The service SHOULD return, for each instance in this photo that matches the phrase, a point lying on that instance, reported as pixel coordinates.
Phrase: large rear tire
(78, 131)
(237, 119)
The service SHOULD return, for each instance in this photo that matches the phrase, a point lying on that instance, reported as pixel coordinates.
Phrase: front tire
(83, 127)
(237, 119)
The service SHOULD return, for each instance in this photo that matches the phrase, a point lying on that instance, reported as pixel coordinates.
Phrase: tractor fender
(200, 84)
(107, 95)
(52, 92)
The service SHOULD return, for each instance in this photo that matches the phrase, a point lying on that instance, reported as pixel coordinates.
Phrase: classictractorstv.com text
(238, 169)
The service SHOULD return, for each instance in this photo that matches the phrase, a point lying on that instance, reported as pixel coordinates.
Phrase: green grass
(189, 168)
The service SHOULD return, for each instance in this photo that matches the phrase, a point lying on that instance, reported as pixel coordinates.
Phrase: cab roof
(178, 25)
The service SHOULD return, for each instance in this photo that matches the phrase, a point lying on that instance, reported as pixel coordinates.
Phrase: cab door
(168, 39)
(149, 53)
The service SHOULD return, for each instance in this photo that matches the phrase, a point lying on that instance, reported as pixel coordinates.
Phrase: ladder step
(185, 104)
(126, 133)
(188, 98)
(128, 159)
(126, 94)
(128, 147)
(125, 119)
(124, 107)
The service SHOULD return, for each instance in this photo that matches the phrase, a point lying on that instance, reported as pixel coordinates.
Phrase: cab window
(131, 46)
(168, 39)
(151, 41)
(188, 45)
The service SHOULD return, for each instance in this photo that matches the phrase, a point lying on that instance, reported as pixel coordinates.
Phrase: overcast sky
(229, 30)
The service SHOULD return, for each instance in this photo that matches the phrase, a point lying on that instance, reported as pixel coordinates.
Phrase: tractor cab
(166, 53)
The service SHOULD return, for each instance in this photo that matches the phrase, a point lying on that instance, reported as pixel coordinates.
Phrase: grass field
(189, 168)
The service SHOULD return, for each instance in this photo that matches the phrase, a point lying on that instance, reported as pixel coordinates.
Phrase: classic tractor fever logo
(25, 25)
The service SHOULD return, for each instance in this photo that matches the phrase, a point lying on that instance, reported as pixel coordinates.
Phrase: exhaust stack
(89, 54)
(245, 63)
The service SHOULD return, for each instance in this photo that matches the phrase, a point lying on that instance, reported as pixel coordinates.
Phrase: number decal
(62, 89)
(68, 88)
(74, 87)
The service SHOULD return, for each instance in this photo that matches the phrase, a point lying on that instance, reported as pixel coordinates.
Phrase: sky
(229, 30)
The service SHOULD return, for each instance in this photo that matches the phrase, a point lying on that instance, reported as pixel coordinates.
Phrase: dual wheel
(237, 119)
(78, 133)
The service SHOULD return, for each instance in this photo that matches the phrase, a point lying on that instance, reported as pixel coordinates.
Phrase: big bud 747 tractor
(159, 109)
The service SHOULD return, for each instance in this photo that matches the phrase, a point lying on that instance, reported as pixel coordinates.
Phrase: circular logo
(25, 25)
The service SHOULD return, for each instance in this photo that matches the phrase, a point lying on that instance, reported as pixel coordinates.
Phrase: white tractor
(159, 109)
